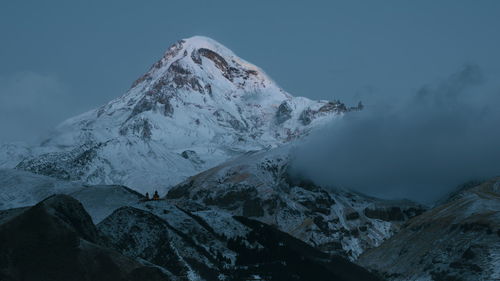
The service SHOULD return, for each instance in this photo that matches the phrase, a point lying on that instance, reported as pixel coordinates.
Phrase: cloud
(30, 105)
(420, 148)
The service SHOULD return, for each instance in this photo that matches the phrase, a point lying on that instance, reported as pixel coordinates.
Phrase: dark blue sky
(60, 58)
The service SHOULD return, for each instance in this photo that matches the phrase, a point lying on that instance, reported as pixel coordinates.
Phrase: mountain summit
(196, 107)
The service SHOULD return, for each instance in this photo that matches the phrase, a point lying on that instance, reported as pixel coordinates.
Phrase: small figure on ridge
(156, 196)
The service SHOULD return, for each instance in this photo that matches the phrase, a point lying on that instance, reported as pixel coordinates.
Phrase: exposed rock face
(392, 213)
(457, 240)
(284, 112)
(306, 116)
(56, 240)
(192, 156)
(55, 164)
(258, 185)
(198, 97)
(309, 114)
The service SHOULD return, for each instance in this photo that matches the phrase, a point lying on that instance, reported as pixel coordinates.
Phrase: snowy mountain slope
(117, 203)
(458, 240)
(13, 153)
(198, 106)
(21, 189)
(258, 185)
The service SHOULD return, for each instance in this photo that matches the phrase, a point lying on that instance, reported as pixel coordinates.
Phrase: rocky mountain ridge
(155, 240)
(260, 186)
(457, 240)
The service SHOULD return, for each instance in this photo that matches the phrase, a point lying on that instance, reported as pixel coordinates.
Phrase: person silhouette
(156, 196)
(147, 195)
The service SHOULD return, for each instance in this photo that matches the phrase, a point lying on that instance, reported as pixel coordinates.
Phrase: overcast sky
(61, 58)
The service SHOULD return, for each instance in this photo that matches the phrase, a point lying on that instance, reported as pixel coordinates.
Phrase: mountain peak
(198, 42)
(196, 107)
(198, 58)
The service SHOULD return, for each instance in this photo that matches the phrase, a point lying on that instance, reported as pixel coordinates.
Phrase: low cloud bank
(420, 147)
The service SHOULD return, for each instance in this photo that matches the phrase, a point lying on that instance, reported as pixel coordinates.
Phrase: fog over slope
(419, 147)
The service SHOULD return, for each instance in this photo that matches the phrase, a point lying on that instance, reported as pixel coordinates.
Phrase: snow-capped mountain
(457, 240)
(259, 185)
(216, 135)
(198, 106)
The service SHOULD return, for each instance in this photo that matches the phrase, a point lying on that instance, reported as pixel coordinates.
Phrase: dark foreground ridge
(56, 240)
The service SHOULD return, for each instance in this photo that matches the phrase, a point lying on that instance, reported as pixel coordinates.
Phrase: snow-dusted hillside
(22, 189)
(198, 106)
(258, 185)
(13, 153)
(457, 240)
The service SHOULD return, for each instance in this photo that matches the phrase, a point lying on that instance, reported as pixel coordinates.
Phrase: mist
(420, 146)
